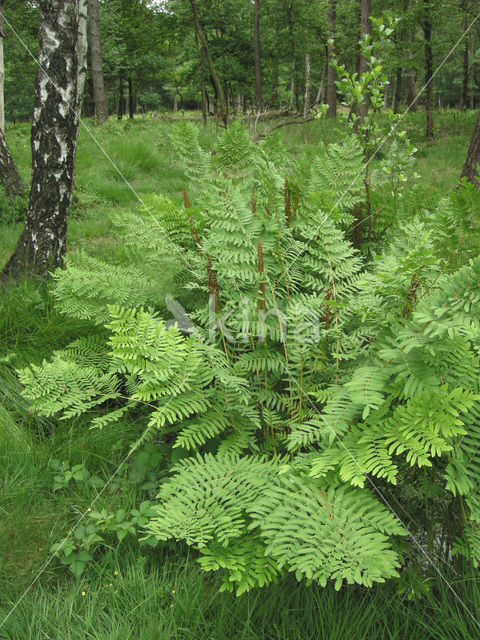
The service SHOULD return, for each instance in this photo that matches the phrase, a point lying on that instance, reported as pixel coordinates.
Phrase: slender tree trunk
(397, 95)
(131, 98)
(99, 94)
(411, 87)
(221, 101)
(308, 86)
(365, 29)
(275, 76)
(464, 95)
(2, 70)
(472, 55)
(427, 29)
(320, 93)
(291, 33)
(121, 98)
(258, 59)
(9, 175)
(58, 92)
(293, 88)
(331, 73)
(469, 170)
(204, 91)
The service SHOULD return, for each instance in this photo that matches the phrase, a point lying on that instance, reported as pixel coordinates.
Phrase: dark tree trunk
(121, 97)
(365, 29)
(204, 91)
(2, 70)
(469, 170)
(397, 95)
(99, 94)
(222, 108)
(427, 30)
(291, 32)
(331, 73)
(464, 96)
(131, 99)
(9, 175)
(258, 59)
(58, 92)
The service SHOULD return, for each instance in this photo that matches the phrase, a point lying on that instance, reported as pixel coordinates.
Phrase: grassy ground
(157, 596)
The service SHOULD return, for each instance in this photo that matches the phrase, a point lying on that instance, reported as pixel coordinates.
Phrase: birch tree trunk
(99, 94)
(258, 59)
(331, 73)
(308, 86)
(58, 92)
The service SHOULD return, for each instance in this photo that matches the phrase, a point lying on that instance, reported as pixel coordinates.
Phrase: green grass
(162, 594)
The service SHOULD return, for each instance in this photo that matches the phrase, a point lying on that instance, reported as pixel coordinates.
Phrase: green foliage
(304, 374)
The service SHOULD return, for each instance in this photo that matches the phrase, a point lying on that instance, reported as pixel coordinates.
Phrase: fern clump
(298, 375)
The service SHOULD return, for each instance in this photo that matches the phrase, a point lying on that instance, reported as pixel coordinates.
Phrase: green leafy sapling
(372, 124)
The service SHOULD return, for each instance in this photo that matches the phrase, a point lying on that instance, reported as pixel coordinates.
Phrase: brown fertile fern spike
(212, 281)
(411, 297)
(288, 202)
(326, 317)
(296, 199)
(261, 271)
(186, 199)
(213, 284)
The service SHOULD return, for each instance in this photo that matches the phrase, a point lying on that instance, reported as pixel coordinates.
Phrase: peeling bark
(58, 91)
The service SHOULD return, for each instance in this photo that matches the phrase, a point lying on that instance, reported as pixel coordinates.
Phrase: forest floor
(150, 595)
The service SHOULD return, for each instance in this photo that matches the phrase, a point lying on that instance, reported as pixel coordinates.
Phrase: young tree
(427, 31)
(365, 30)
(58, 92)
(331, 73)
(99, 94)
(258, 60)
(205, 50)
